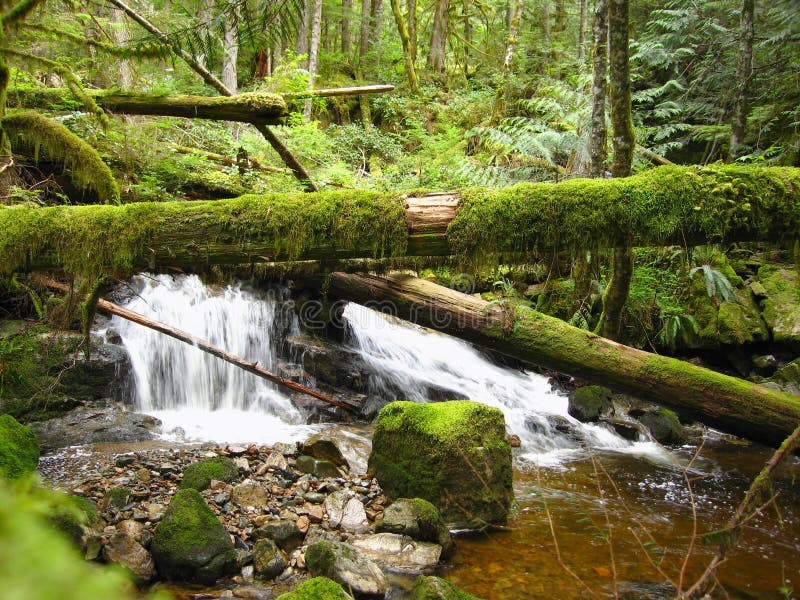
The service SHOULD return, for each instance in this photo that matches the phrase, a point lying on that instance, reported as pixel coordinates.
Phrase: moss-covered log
(746, 409)
(668, 205)
(248, 107)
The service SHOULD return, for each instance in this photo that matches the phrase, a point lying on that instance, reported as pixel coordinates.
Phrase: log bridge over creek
(665, 206)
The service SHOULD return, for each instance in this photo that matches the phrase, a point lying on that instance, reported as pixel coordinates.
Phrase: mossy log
(667, 205)
(249, 107)
(733, 405)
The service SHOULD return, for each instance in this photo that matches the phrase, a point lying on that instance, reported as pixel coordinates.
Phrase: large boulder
(190, 544)
(417, 519)
(781, 306)
(198, 475)
(317, 588)
(436, 588)
(589, 403)
(19, 449)
(346, 565)
(453, 454)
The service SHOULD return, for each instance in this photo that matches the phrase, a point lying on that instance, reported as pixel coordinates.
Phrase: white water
(198, 396)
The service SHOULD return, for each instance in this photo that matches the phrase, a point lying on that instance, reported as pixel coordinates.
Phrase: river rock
(399, 552)
(589, 403)
(190, 544)
(317, 588)
(324, 449)
(318, 468)
(453, 454)
(346, 565)
(199, 475)
(19, 449)
(346, 512)
(780, 307)
(268, 561)
(131, 555)
(286, 534)
(436, 588)
(276, 461)
(250, 494)
(418, 519)
(664, 426)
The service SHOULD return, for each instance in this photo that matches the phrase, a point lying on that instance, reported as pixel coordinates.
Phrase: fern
(717, 284)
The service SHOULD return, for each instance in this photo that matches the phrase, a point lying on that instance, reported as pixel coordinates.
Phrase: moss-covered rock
(346, 565)
(317, 588)
(589, 403)
(72, 516)
(268, 561)
(436, 588)
(198, 475)
(781, 307)
(19, 449)
(116, 497)
(453, 454)
(664, 426)
(190, 544)
(418, 519)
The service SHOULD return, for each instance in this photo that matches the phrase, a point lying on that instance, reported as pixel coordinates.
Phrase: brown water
(647, 500)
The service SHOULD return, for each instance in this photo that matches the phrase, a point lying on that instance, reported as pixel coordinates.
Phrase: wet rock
(435, 588)
(249, 494)
(199, 475)
(589, 403)
(317, 588)
(277, 461)
(346, 565)
(318, 468)
(664, 426)
(346, 512)
(318, 534)
(117, 497)
(765, 364)
(19, 449)
(81, 426)
(399, 552)
(253, 592)
(324, 449)
(125, 460)
(780, 307)
(418, 519)
(286, 534)
(105, 374)
(327, 362)
(190, 544)
(627, 429)
(268, 561)
(124, 550)
(444, 452)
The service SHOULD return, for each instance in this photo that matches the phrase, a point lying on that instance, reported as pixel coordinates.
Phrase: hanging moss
(87, 170)
(667, 204)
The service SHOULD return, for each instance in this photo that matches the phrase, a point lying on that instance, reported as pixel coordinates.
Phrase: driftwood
(739, 407)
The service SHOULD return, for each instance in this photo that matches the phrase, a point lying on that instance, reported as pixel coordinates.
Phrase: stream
(581, 489)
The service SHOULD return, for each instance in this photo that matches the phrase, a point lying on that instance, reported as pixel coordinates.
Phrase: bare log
(739, 407)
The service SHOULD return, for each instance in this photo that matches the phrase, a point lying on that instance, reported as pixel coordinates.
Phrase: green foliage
(717, 285)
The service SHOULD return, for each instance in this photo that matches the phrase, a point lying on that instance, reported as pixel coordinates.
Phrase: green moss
(71, 515)
(87, 169)
(321, 558)
(436, 588)
(781, 307)
(19, 449)
(199, 475)
(116, 497)
(668, 203)
(317, 588)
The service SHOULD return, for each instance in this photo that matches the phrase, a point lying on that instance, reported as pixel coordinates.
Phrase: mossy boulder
(781, 307)
(418, 519)
(436, 588)
(190, 544)
(199, 475)
(664, 426)
(788, 375)
(72, 516)
(345, 564)
(19, 449)
(589, 403)
(453, 454)
(317, 588)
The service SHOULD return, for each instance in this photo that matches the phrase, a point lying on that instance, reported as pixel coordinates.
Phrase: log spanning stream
(558, 465)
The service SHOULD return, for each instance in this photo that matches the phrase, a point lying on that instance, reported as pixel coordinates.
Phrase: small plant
(508, 299)
(718, 286)
(674, 327)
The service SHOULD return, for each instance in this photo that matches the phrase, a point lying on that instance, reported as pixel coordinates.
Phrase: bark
(739, 407)
(584, 26)
(230, 52)
(467, 16)
(121, 36)
(375, 27)
(347, 40)
(411, 6)
(744, 71)
(617, 292)
(504, 96)
(405, 39)
(363, 46)
(437, 52)
(303, 29)
(597, 137)
(358, 90)
(313, 53)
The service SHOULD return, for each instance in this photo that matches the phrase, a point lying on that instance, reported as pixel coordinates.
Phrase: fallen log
(205, 346)
(250, 163)
(358, 90)
(733, 405)
(664, 206)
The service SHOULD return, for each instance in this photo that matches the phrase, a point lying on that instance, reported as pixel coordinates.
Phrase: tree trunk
(503, 96)
(437, 52)
(303, 29)
(561, 17)
(347, 11)
(405, 39)
(733, 405)
(375, 28)
(230, 51)
(411, 6)
(121, 36)
(313, 54)
(363, 46)
(584, 26)
(744, 71)
(597, 137)
(467, 16)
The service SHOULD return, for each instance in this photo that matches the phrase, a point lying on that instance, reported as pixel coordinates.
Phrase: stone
(286, 534)
(276, 460)
(303, 523)
(318, 468)
(190, 544)
(589, 403)
(317, 588)
(242, 464)
(346, 512)
(72, 516)
(318, 534)
(124, 550)
(740, 322)
(453, 454)
(788, 374)
(144, 475)
(417, 519)
(314, 497)
(348, 566)
(19, 449)
(200, 474)
(664, 426)
(628, 430)
(268, 561)
(124, 460)
(781, 306)
(765, 364)
(117, 497)
(399, 552)
(249, 494)
(436, 588)
(324, 449)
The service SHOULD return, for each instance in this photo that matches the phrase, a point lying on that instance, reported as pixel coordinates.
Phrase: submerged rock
(19, 450)
(317, 468)
(453, 454)
(346, 565)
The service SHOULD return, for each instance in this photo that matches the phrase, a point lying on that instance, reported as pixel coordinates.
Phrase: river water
(596, 515)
